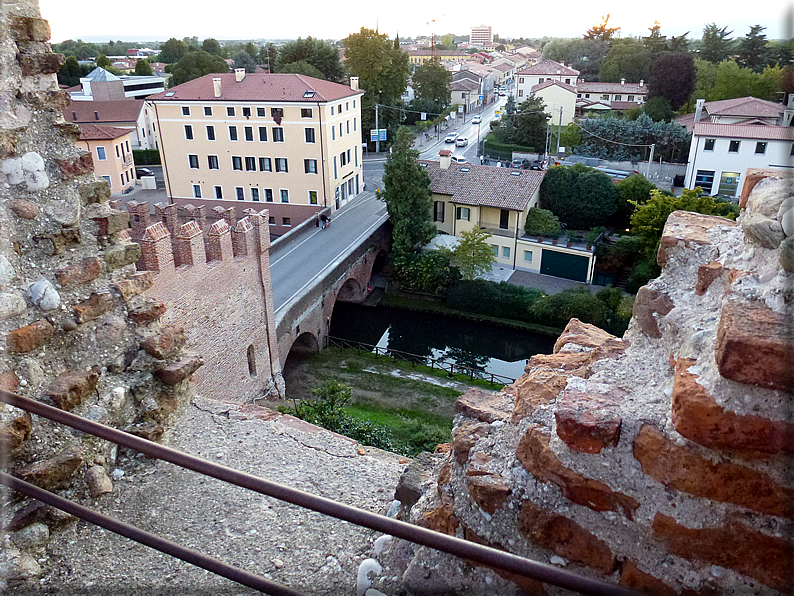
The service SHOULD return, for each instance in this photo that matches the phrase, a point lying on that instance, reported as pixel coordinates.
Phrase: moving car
(476, 120)
(461, 142)
(451, 137)
(536, 165)
(502, 94)
(141, 172)
(459, 159)
(520, 163)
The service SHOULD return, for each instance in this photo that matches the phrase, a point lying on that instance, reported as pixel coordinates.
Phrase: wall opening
(350, 292)
(251, 361)
(296, 378)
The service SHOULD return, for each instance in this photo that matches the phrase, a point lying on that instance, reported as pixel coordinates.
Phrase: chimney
(216, 86)
(354, 83)
(446, 158)
(622, 81)
(699, 109)
(239, 74)
(642, 82)
(96, 115)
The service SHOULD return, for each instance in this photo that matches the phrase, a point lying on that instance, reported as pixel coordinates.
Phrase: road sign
(452, 114)
(382, 134)
(373, 134)
(460, 109)
(424, 115)
(482, 97)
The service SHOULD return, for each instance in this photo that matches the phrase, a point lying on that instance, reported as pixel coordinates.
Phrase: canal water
(492, 349)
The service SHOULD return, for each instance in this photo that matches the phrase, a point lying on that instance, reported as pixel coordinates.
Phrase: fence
(449, 544)
(450, 368)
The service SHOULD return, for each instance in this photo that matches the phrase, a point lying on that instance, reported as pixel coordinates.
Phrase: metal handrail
(433, 363)
(477, 553)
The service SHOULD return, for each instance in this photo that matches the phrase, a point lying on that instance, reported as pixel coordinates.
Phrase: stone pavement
(305, 550)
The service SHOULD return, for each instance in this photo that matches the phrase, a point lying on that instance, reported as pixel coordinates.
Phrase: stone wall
(76, 330)
(661, 461)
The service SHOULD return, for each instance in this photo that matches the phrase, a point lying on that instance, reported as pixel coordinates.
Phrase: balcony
(572, 243)
(496, 231)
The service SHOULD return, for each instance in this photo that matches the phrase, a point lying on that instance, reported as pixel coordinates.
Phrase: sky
(99, 20)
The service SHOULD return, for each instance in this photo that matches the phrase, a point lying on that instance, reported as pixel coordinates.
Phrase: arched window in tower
(251, 361)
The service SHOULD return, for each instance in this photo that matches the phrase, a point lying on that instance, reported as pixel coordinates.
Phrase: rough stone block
(8, 143)
(442, 519)
(76, 166)
(55, 472)
(135, 284)
(582, 334)
(70, 388)
(14, 431)
(30, 29)
(688, 228)
(151, 431)
(25, 209)
(682, 469)
(79, 273)
(34, 64)
(414, 480)
(541, 386)
(489, 491)
(165, 344)
(753, 176)
(538, 459)
(754, 346)
(180, 370)
(150, 310)
(574, 362)
(112, 222)
(649, 303)
(786, 254)
(707, 274)
(588, 422)
(30, 337)
(98, 482)
(94, 192)
(94, 307)
(762, 231)
(464, 437)
(485, 406)
(121, 255)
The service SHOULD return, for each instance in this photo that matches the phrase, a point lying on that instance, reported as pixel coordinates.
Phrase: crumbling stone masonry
(76, 330)
(661, 461)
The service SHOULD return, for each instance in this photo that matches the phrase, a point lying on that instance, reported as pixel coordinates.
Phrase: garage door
(562, 264)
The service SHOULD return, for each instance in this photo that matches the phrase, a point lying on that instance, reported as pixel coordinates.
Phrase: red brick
(633, 577)
(698, 417)
(179, 371)
(442, 519)
(564, 537)
(539, 387)
(79, 273)
(70, 388)
(150, 310)
(30, 337)
(485, 406)
(149, 430)
(706, 276)
(767, 559)
(649, 303)
(9, 381)
(538, 459)
(445, 474)
(76, 166)
(682, 469)
(753, 176)
(754, 346)
(34, 64)
(113, 222)
(165, 344)
(588, 422)
(54, 472)
(688, 228)
(13, 432)
(574, 362)
(94, 307)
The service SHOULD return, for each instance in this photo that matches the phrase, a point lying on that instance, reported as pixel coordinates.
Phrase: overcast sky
(247, 19)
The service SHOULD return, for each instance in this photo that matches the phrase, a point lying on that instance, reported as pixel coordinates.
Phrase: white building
(134, 115)
(102, 85)
(481, 35)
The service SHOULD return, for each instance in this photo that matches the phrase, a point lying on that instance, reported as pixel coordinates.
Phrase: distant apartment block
(481, 35)
(285, 142)
(102, 85)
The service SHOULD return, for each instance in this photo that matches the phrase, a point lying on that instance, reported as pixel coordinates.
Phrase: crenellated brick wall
(663, 460)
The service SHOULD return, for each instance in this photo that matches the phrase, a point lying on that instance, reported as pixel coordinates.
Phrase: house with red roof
(111, 150)
(133, 115)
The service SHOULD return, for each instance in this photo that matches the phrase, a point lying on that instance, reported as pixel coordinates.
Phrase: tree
(731, 80)
(212, 46)
(409, 201)
(268, 56)
(320, 54)
(243, 59)
(679, 43)
(585, 55)
(172, 51)
(143, 68)
(673, 77)
(753, 51)
(431, 82)
(529, 122)
(302, 67)
(581, 197)
(602, 31)
(542, 222)
(627, 59)
(473, 256)
(655, 43)
(448, 42)
(716, 43)
(71, 71)
(632, 192)
(103, 61)
(195, 65)
(658, 108)
(510, 105)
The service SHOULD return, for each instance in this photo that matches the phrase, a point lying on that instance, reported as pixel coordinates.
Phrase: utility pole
(559, 132)
(377, 131)
(650, 161)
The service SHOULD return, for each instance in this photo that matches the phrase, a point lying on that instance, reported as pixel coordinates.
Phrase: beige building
(287, 142)
(548, 70)
(112, 154)
(481, 35)
(559, 99)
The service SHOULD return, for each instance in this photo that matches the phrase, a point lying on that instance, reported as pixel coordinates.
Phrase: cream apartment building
(111, 152)
(289, 142)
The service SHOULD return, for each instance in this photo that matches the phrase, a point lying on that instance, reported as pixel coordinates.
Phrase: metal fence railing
(470, 551)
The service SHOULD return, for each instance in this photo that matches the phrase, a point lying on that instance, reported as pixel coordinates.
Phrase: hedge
(146, 157)
(503, 150)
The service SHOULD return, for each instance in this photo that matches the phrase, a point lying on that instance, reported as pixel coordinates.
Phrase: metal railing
(451, 368)
(471, 551)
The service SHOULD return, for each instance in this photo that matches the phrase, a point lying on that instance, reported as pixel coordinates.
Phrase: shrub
(146, 157)
(542, 222)
(424, 272)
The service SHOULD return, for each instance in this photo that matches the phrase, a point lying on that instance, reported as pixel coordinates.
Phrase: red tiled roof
(549, 67)
(487, 186)
(98, 132)
(463, 84)
(122, 110)
(258, 87)
(745, 106)
(595, 87)
(744, 131)
(503, 66)
(544, 84)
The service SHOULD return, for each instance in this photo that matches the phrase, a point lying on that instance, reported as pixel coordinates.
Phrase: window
(340, 130)
(348, 156)
(791, 152)
(277, 114)
(263, 134)
(260, 112)
(306, 112)
(587, 96)
(247, 112)
(354, 123)
(108, 180)
(254, 193)
(250, 164)
(196, 191)
(527, 256)
(192, 161)
(520, 80)
(760, 148)
(347, 105)
(504, 219)
(218, 192)
(705, 180)
(237, 162)
(505, 252)
(310, 166)
(342, 159)
(251, 361)
(271, 220)
(312, 197)
(278, 134)
(729, 182)
(540, 80)
(495, 249)
(186, 110)
(336, 175)
(232, 133)
(264, 164)
(521, 93)
(127, 145)
(734, 147)
(281, 164)
(284, 195)
(355, 154)
(463, 213)
(618, 97)
(605, 96)
(249, 133)
(230, 111)
(188, 132)
(347, 127)
(568, 81)
(212, 162)
(332, 110)
(354, 104)
(708, 145)
(208, 110)
(268, 195)
(438, 211)
(309, 134)
(117, 150)
(285, 221)
(239, 192)
(100, 153)
(210, 133)
(333, 133)
(629, 98)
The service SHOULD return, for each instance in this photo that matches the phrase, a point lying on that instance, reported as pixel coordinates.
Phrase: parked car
(520, 163)
(459, 159)
(461, 142)
(476, 120)
(536, 165)
(141, 172)
(450, 138)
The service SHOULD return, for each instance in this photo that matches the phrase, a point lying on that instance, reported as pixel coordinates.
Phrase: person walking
(316, 220)
(324, 219)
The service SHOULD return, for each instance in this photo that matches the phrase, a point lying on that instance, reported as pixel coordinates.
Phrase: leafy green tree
(622, 139)
(431, 82)
(103, 61)
(212, 46)
(716, 44)
(173, 51)
(658, 108)
(632, 192)
(581, 197)
(530, 121)
(585, 55)
(71, 71)
(673, 77)
(406, 192)
(448, 42)
(753, 51)
(655, 43)
(473, 256)
(243, 59)
(731, 80)
(679, 43)
(627, 59)
(143, 68)
(320, 54)
(195, 65)
(602, 31)
(268, 56)
(383, 73)
(302, 67)
(542, 222)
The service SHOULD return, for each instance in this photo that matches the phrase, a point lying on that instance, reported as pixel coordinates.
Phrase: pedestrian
(324, 219)
(328, 223)
(316, 220)
(482, 159)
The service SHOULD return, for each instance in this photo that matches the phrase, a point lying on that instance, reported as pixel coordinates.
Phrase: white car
(476, 120)
(459, 159)
(461, 142)
(451, 137)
